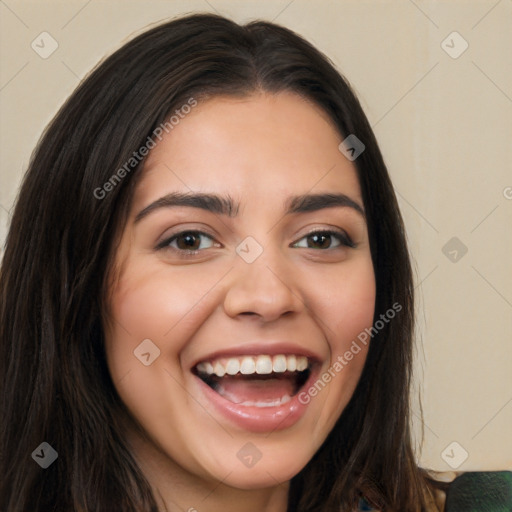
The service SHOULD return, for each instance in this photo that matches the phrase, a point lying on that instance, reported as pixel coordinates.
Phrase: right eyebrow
(209, 202)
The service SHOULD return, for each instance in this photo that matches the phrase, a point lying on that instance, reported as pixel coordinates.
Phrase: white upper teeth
(218, 369)
(247, 365)
(263, 365)
(233, 366)
(279, 364)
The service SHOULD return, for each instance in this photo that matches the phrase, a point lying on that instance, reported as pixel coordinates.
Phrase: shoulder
(472, 491)
(480, 491)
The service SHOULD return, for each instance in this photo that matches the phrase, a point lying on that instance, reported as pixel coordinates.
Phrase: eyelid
(164, 244)
(342, 235)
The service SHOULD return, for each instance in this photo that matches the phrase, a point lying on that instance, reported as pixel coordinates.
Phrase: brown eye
(320, 240)
(188, 241)
(324, 240)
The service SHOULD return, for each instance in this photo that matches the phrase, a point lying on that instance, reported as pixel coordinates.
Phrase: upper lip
(261, 348)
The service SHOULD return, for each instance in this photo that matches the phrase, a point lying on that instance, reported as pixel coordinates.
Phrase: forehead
(263, 144)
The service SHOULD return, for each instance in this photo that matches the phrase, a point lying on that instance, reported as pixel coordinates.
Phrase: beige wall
(445, 128)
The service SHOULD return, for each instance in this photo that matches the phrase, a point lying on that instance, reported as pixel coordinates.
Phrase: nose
(264, 288)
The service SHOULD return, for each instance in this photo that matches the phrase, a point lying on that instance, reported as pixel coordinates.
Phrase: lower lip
(259, 419)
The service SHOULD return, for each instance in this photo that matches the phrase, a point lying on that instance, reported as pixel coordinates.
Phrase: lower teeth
(273, 403)
(250, 403)
(297, 381)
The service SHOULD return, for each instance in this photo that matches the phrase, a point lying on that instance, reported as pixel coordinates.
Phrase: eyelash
(342, 237)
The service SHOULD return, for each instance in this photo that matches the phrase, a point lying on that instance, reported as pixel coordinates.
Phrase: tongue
(258, 391)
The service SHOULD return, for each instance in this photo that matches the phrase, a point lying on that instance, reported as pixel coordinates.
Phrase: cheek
(150, 299)
(146, 302)
(164, 305)
(346, 303)
(153, 301)
(345, 307)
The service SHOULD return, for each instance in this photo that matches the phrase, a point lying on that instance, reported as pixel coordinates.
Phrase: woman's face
(242, 279)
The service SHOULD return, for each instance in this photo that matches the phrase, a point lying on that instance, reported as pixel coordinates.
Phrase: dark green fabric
(489, 491)
(480, 492)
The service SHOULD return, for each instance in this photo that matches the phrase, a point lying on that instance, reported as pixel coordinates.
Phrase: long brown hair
(55, 383)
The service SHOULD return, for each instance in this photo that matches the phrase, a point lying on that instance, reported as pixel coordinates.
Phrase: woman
(206, 294)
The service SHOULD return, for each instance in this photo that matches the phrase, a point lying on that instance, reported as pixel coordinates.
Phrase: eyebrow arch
(209, 202)
(225, 205)
(315, 202)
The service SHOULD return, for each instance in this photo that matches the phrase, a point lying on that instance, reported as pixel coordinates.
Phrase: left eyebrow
(226, 206)
(314, 202)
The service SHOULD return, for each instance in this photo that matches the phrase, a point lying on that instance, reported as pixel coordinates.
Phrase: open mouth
(256, 381)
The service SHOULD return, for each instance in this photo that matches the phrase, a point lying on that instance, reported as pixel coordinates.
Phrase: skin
(259, 150)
